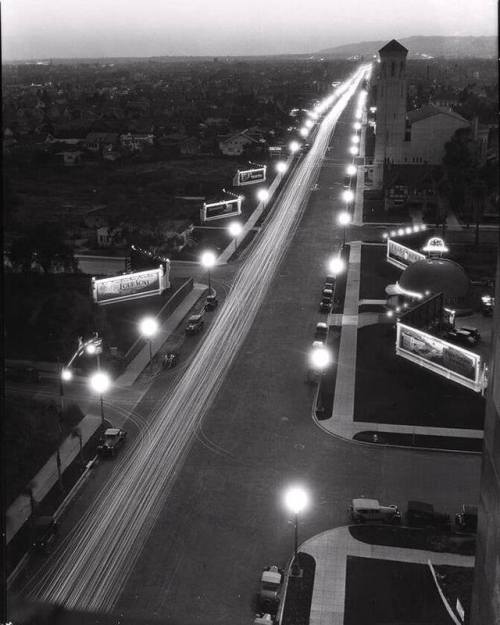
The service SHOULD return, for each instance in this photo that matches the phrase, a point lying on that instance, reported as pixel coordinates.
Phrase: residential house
(136, 142)
(99, 141)
(235, 145)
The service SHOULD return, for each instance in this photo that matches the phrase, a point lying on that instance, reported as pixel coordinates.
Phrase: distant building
(235, 145)
(71, 158)
(99, 141)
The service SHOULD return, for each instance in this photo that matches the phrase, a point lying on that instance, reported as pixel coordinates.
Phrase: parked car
(464, 336)
(325, 305)
(330, 282)
(263, 619)
(421, 514)
(487, 305)
(194, 324)
(363, 510)
(211, 302)
(270, 588)
(44, 532)
(327, 292)
(321, 332)
(112, 440)
(466, 519)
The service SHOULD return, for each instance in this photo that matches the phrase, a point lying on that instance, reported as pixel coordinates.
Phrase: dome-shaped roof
(437, 275)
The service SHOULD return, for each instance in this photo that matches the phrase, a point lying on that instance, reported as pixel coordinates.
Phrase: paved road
(223, 519)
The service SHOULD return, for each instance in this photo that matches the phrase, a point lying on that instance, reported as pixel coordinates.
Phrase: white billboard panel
(130, 286)
(249, 176)
(218, 210)
(402, 256)
(451, 361)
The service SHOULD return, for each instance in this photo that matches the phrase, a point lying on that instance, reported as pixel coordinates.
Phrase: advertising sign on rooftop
(130, 286)
(451, 361)
(402, 256)
(249, 176)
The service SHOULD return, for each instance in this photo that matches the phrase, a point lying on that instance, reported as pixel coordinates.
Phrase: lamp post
(262, 195)
(281, 167)
(148, 327)
(294, 146)
(208, 261)
(336, 265)
(100, 383)
(344, 219)
(296, 499)
(235, 229)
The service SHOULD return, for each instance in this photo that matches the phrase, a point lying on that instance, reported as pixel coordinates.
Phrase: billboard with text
(451, 361)
(129, 286)
(402, 256)
(218, 210)
(249, 176)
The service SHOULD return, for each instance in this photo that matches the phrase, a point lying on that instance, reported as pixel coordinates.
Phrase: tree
(45, 244)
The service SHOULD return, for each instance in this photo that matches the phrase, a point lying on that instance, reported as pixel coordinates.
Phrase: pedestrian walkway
(330, 551)
(342, 422)
(20, 510)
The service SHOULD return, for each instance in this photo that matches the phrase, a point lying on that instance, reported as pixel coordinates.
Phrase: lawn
(421, 440)
(383, 591)
(299, 593)
(376, 272)
(390, 389)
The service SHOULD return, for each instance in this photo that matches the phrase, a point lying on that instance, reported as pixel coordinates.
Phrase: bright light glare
(401, 231)
(357, 125)
(66, 374)
(90, 348)
(408, 230)
(148, 326)
(359, 114)
(235, 228)
(262, 195)
(336, 265)
(281, 167)
(344, 218)
(208, 259)
(351, 170)
(355, 139)
(319, 358)
(353, 150)
(348, 195)
(296, 499)
(100, 382)
(309, 123)
(294, 146)
(393, 233)
(303, 132)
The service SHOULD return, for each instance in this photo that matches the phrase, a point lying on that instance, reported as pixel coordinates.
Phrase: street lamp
(303, 132)
(351, 170)
(296, 499)
(235, 229)
(336, 265)
(353, 150)
(309, 123)
(355, 139)
(348, 196)
(148, 327)
(100, 383)
(262, 195)
(281, 167)
(319, 358)
(208, 260)
(294, 146)
(357, 125)
(344, 219)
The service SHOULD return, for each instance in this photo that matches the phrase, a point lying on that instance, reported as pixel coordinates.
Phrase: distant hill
(423, 47)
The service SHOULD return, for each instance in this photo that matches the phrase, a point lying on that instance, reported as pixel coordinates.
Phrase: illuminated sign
(249, 176)
(402, 256)
(217, 210)
(435, 245)
(130, 286)
(450, 361)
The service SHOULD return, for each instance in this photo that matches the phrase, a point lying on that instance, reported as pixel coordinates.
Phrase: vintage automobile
(364, 510)
(211, 302)
(194, 324)
(487, 305)
(112, 440)
(464, 336)
(321, 332)
(421, 514)
(466, 519)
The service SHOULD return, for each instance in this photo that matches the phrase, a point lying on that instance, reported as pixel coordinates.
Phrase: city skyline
(94, 29)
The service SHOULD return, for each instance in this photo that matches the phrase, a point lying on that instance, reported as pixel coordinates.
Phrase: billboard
(249, 176)
(217, 210)
(130, 286)
(402, 256)
(427, 314)
(451, 361)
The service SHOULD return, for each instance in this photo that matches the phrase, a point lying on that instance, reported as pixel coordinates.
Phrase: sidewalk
(342, 423)
(20, 510)
(330, 550)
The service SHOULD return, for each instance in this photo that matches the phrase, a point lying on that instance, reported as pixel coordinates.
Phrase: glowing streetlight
(303, 132)
(296, 500)
(344, 219)
(66, 375)
(262, 195)
(351, 170)
(309, 123)
(235, 229)
(353, 150)
(336, 265)
(359, 114)
(347, 196)
(357, 125)
(100, 383)
(355, 139)
(294, 146)
(319, 357)
(208, 260)
(281, 167)
(148, 327)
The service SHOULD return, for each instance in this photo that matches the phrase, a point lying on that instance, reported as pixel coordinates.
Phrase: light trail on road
(91, 566)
